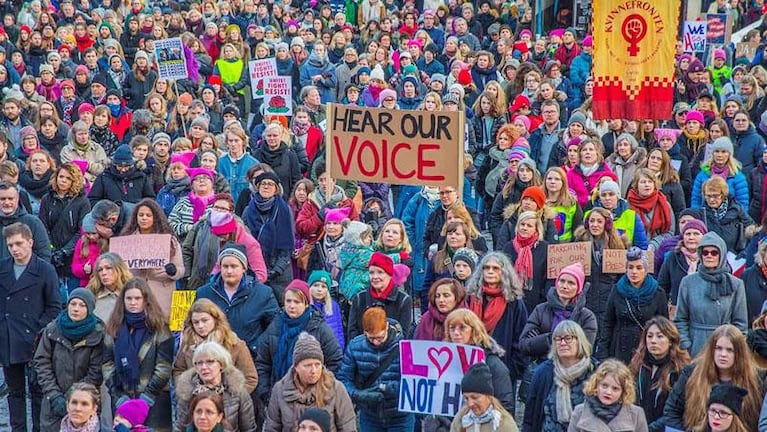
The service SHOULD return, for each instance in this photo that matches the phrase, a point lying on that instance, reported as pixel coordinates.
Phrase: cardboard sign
(564, 254)
(171, 63)
(746, 49)
(142, 251)
(718, 28)
(259, 69)
(180, 304)
(396, 147)
(278, 95)
(694, 36)
(431, 374)
(614, 261)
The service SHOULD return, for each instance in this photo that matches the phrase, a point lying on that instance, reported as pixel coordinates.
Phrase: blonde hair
(404, 243)
(621, 373)
(123, 273)
(221, 333)
(479, 335)
(461, 212)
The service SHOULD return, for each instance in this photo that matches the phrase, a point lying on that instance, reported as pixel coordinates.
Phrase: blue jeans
(404, 422)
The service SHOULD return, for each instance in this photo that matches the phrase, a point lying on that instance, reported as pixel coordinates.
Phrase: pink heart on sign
(441, 358)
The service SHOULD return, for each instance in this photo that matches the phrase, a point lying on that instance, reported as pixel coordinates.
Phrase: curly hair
(620, 373)
(78, 180)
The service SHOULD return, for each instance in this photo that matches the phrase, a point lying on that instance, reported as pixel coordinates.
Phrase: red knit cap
(535, 193)
(302, 287)
(464, 77)
(382, 261)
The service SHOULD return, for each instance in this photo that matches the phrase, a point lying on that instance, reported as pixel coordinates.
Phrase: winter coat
(136, 91)
(334, 321)
(308, 222)
(169, 195)
(62, 218)
(507, 333)
(238, 406)
(250, 310)
(506, 423)
(288, 402)
(241, 360)
(757, 186)
(160, 282)
(535, 340)
(327, 84)
(731, 227)
(582, 185)
(673, 270)
(630, 418)
(736, 182)
(756, 291)
(626, 170)
(480, 77)
(284, 162)
(624, 320)
(95, 155)
(78, 262)
(112, 185)
(538, 286)
(436, 222)
(398, 306)
(415, 218)
(653, 401)
(270, 341)
(580, 70)
(59, 364)
(748, 148)
(541, 404)
(508, 229)
(484, 142)
(26, 306)
(353, 262)
(697, 316)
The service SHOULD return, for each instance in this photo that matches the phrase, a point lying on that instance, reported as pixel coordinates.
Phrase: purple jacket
(335, 321)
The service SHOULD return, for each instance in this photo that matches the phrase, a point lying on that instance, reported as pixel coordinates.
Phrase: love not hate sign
(431, 374)
(395, 146)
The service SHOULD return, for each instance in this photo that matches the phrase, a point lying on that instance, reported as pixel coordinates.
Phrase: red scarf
(383, 294)
(496, 305)
(524, 263)
(658, 205)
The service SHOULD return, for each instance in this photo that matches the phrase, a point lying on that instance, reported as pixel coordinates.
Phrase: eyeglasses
(712, 196)
(268, 184)
(206, 363)
(222, 208)
(719, 414)
(565, 339)
(711, 252)
(378, 339)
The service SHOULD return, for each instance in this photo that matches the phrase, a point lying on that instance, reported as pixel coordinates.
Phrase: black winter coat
(136, 91)
(130, 187)
(284, 162)
(756, 291)
(757, 188)
(130, 44)
(316, 326)
(538, 286)
(62, 218)
(508, 230)
(435, 223)
(672, 271)
(398, 306)
(652, 400)
(731, 228)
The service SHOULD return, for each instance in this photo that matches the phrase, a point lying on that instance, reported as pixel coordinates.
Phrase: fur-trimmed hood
(233, 380)
(547, 213)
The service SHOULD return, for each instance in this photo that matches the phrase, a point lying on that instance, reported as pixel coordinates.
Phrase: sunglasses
(713, 253)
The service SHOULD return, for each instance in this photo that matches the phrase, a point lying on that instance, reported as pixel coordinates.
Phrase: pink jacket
(78, 262)
(583, 185)
(253, 250)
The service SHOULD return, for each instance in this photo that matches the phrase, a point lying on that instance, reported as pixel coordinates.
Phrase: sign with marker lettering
(142, 251)
(431, 374)
(562, 255)
(180, 304)
(395, 146)
(614, 260)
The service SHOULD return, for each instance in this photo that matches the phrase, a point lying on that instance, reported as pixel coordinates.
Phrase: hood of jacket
(232, 379)
(712, 239)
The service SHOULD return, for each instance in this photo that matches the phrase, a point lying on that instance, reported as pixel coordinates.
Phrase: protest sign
(614, 260)
(746, 50)
(258, 69)
(171, 63)
(562, 255)
(180, 304)
(278, 95)
(431, 374)
(395, 146)
(694, 36)
(718, 28)
(142, 251)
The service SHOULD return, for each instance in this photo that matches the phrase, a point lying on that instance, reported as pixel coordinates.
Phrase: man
(249, 305)
(110, 218)
(436, 33)
(580, 71)
(567, 51)
(428, 63)
(311, 217)
(11, 212)
(614, 129)
(464, 36)
(474, 26)
(122, 181)
(545, 138)
(311, 99)
(29, 299)
(13, 121)
(98, 94)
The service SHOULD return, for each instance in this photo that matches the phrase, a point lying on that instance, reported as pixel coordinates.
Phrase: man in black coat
(29, 299)
(11, 212)
(122, 182)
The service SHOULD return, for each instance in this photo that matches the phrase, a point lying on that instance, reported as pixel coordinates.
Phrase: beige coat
(507, 423)
(95, 155)
(631, 418)
(241, 360)
(160, 283)
(287, 403)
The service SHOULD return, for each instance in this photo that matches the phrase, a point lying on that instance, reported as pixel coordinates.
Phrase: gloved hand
(59, 406)
(369, 398)
(171, 269)
(58, 257)
(270, 275)
(230, 89)
(146, 398)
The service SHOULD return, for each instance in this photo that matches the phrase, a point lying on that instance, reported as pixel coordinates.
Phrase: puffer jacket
(581, 185)
(288, 402)
(398, 306)
(748, 148)
(270, 341)
(59, 364)
(130, 187)
(736, 182)
(238, 406)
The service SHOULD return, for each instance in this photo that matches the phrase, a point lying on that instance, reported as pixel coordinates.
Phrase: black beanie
(317, 415)
(728, 395)
(478, 379)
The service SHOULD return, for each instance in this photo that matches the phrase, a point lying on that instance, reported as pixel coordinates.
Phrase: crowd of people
(305, 284)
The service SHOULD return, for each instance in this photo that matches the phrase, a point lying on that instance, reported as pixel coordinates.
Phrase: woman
(565, 301)
(445, 296)
(62, 211)
(710, 297)
(189, 209)
(724, 408)
(490, 173)
(583, 177)
(533, 199)
(148, 218)
(652, 207)
(568, 215)
(722, 164)
(626, 160)
(635, 299)
(656, 365)
(138, 351)
(308, 383)
(177, 182)
(415, 217)
(464, 326)
(682, 261)
(393, 241)
(529, 252)
(487, 122)
(233, 72)
(206, 322)
(557, 384)
(279, 157)
(747, 141)
(206, 413)
(756, 338)
(659, 163)
(481, 410)
(495, 295)
(724, 358)
(69, 351)
(214, 372)
(609, 402)
(441, 265)
(724, 215)
(109, 274)
(269, 217)
(82, 409)
(36, 178)
(277, 343)
(80, 147)
(521, 176)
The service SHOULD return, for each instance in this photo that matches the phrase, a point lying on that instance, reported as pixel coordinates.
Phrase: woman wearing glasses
(724, 215)
(710, 297)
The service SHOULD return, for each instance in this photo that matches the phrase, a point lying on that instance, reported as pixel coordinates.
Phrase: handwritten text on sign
(396, 147)
(431, 375)
(562, 255)
(142, 251)
(614, 260)
(180, 304)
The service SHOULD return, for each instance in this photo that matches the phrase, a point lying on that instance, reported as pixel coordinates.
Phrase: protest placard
(562, 255)
(180, 304)
(171, 63)
(614, 260)
(142, 251)
(746, 50)
(278, 95)
(431, 374)
(258, 69)
(718, 28)
(396, 147)
(694, 36)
